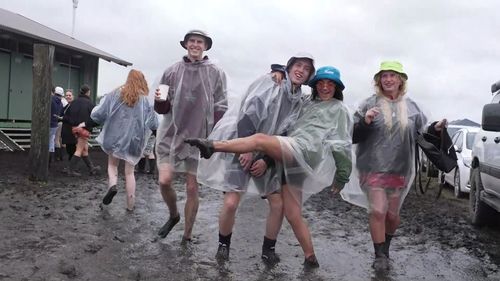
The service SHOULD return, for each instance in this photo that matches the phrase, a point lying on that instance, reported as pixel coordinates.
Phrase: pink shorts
(382, 180)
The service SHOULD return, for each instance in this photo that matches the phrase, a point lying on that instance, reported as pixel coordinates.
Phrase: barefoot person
(384, 130)
(318, 143)
(197, 99)
(266, 108)
(125, 107)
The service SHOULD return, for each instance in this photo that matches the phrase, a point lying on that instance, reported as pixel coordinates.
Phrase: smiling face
(300, 71)
(390, 82)
(325, 89)
(195, 46)
(68, 96)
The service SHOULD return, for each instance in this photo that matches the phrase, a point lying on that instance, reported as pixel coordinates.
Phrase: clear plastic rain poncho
(317, 151)
(386, 157)
(266, 108)
(197, 93)
(125, 129)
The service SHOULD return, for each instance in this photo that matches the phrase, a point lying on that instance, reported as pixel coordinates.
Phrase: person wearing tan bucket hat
(196, 98)
(385, 127)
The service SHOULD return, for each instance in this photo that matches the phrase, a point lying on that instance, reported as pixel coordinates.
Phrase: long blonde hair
(135, 86)
(385, 102)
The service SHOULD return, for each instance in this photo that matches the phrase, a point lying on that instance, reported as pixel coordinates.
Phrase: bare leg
(167, 191)
(228, 212)
(112, 170)
(192, 203)
(80, 147)
(378, 211)
(275, 216)
(270, 145)
(292, 205)
(85, 151)
(392, 218)
(130, 185)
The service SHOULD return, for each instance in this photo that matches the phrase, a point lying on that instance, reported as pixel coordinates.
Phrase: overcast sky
(450, 49)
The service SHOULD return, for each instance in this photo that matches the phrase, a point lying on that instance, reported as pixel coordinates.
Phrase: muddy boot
(73, 166)
(222, 254)
(311, 262)
(167, 227)
(58, 153)
(141, 166)
(269, 255)
(93, 170)
(152, 166)
(387, 243)
(205, 146)
(51, 158)
(381, 262)
(109, 195)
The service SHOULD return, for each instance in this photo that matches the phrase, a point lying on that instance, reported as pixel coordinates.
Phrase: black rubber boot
(269, 255)
(141, 166)
(387, 243)
(109, 195)
(152, 166)
(93, 170)
(167, 227)
(58, 152)
(73, 166)
(222, 254)
(381, 262)
(311, 262)
(205, 146)
(51, 158)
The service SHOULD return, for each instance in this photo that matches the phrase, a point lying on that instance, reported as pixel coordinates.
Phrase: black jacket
(79, 112)
(66, 133)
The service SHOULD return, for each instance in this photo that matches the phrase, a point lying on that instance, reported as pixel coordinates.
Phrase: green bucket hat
(395, 66)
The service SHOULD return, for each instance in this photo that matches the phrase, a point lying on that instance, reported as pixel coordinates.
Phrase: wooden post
(43, 63)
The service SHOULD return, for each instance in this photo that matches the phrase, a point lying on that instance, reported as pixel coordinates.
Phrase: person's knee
(393, 217)
(378, 213)
(230, 205)
(192, 191)
(275, 203)
(292, 212)
(165, 176)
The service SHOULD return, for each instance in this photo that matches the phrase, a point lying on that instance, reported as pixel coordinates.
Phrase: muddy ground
(58, 231)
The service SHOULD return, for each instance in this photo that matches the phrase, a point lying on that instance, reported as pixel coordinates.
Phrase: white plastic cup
(163, 91)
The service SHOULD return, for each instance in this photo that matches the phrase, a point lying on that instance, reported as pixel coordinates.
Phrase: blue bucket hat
(327, 72)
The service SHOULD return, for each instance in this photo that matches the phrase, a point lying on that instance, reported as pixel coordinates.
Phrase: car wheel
(456, 185)
(480, 213)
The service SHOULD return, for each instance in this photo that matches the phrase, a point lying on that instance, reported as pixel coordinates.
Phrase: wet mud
(60, 231)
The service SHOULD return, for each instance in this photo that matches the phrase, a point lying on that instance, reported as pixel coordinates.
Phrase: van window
(469, 141)
(496, 98)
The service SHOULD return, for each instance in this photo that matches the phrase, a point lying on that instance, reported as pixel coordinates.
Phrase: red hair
(135, 86)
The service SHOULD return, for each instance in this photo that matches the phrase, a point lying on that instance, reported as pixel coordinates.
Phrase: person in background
(56, 110)
(78, 117)
(269, 108)
(385, 127)
(58, 141)
(125, 107)
(68, 140)
(148, 155)
(198, 98)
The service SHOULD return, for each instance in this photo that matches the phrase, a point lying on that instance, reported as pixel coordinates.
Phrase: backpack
(439, 151)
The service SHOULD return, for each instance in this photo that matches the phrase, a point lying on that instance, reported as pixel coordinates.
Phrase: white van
(484, 196)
